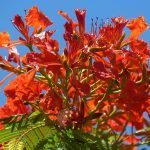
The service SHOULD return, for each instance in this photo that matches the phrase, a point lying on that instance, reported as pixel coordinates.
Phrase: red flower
(73, 40)
(44, 42)
(18, 22)
(13, 107)
(48, 60)
(5, 42)
(24, 87)
(37, 19)
(4, 39)
(81, 19)
(51, 103)
(141, 48)
(109, 35)
(137, 27)
(101, 72)
(134, 100)
(82, 88)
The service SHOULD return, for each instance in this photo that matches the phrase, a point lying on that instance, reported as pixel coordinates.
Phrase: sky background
(102, 9)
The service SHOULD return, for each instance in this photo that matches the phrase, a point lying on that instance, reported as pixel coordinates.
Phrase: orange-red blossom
(98, 73)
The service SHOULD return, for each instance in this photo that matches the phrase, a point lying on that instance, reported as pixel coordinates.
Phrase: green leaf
(6, 134)
(24, 137)
(36, 116)
(31, 137)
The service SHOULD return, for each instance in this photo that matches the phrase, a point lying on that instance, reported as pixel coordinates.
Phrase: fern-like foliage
(26, 138)
(75, 140)
(37, 133)
(24, 133)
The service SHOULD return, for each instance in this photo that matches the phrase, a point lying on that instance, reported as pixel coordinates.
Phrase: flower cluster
(100, 81)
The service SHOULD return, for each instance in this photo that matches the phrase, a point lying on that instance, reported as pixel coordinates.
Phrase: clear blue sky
(102, 9)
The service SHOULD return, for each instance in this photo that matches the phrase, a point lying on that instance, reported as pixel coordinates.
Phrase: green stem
(95, 83)
(30, 47)
(83, 80)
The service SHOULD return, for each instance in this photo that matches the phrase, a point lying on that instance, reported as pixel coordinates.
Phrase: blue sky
(102, 9)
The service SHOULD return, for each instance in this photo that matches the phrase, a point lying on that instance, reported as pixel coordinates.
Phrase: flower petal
(37, 19)
(81, 19)
(4, 39)
(137, 27)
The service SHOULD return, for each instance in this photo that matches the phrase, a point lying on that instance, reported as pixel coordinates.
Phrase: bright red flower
(81, 19)
(24, 87)
(13, 107)
(74, 41)
(19, 23)
(101, 72)
(5, 42)
(48, 60)
(109, 35)
(44, 42)
(51, 103)
(4, 39)
(82, 88)
(141, 48)
(134, 100)
(137, 27)
(37, 19)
